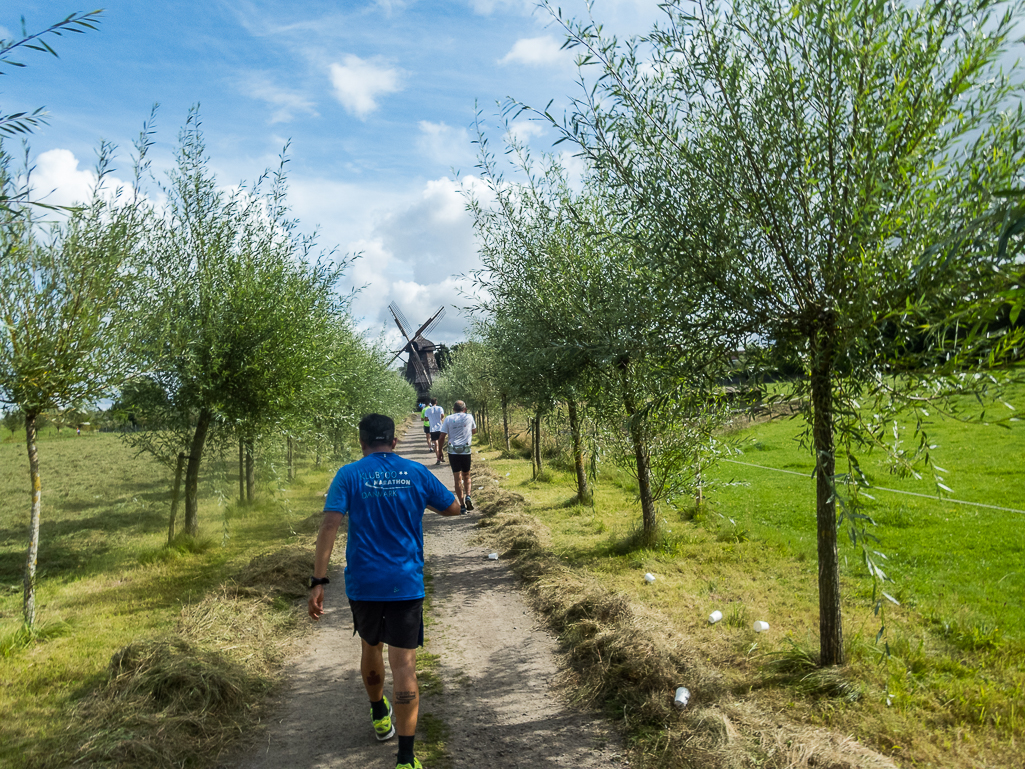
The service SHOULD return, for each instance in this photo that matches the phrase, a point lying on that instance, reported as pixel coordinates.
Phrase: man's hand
(316, 602)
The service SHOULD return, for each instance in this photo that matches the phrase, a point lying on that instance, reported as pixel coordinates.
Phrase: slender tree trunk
(175, 496)
(192, 472)
(583, 493)
(830, 621)
(649, 513)
(33, 526)
(241, 471)
(505, 421)
(699, 494)
(250, 471)
(536, 444)
(289, 450)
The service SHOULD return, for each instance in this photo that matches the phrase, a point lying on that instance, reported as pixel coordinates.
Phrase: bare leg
(371, 667)
(466, 483)
(405, 690)
(457, 477)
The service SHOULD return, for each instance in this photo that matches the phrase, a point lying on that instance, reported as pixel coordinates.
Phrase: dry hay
(179, 701)
(491, 499)
(166, 703)
(281, 573)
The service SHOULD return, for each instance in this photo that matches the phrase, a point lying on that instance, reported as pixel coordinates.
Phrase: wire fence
(892, 491)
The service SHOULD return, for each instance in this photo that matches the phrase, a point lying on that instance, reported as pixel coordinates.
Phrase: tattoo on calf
(405, 698)
(373, 678)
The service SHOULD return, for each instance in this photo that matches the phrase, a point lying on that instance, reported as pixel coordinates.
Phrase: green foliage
(64, 306)
(793, 172)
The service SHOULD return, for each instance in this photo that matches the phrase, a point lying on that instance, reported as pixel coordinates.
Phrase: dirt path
(496, 665)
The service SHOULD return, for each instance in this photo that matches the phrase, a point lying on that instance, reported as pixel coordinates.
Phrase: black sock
(405, 750)
(380, 710)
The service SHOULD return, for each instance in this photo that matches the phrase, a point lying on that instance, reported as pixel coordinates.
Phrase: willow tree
(64, 318)
(794, 164)
(567, 287)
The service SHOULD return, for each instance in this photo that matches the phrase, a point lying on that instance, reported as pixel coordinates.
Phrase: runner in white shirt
(435, 414)
(459, 428)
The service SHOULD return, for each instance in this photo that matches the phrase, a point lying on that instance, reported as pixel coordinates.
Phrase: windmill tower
(421, 367)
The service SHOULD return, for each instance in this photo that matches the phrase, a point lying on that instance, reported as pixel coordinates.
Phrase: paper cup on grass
(761, 627)
(649, 577)
(714, 617)
(682, 697)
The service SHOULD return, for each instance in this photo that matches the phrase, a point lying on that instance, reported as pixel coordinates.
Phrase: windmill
(420, 365)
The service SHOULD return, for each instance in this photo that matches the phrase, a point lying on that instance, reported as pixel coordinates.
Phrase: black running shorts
(460, 462)
(396, 623)
(427, 429)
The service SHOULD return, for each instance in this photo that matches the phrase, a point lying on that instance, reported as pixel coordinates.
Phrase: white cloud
(575, 167)
(543, 51)
(417, 245)
(286, 103)
(58, 181)
(525, 130)
(487, 7)
(444, 144)
(433, 234)
(358, 82)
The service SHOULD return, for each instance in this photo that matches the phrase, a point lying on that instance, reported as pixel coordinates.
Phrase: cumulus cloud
(57, 179)
(433, 235)
(359, 82)
(444, 144)
(543, 51)
(285, 103)
(525, 130)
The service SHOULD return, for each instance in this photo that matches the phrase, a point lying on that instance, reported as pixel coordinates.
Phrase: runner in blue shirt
(384, 496)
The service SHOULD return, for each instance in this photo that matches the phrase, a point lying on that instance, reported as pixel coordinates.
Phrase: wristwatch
(314, 581)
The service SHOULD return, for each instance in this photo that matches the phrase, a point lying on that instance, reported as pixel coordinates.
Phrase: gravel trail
(497, 666)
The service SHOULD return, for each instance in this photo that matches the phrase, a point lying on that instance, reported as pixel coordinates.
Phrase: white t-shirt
(460, 427)
(434, 415)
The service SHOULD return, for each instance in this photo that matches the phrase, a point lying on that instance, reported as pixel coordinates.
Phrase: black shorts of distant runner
(435, 435)
(460, 462)
(396, 623)
(427, 429)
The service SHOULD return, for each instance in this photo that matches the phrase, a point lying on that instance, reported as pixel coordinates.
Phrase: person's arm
(325, 544)
(441, 438)
(452, 509)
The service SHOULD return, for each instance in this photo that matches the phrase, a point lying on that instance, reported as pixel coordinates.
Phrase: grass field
(945, 684)
(943, 687)
(105, 578)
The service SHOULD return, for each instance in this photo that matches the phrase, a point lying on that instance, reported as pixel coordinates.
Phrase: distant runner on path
(436, 415)
(459, 428)
(384, 496)
(427, 426)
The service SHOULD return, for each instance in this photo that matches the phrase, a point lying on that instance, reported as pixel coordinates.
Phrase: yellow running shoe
(383, 727)
(415, 765)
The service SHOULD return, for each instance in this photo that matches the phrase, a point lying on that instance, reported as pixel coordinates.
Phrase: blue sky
(376, 97)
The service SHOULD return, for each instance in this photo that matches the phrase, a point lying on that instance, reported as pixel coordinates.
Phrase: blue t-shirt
(385, 496)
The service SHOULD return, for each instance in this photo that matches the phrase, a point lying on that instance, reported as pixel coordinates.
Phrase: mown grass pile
(167, 699)
(146, 654)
